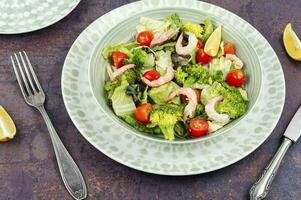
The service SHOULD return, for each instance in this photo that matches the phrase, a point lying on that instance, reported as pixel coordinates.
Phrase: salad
(175, 79)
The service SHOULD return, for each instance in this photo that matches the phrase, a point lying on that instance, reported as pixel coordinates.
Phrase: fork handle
(70, 173)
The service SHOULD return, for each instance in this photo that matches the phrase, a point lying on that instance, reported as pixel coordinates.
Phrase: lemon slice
(292, 43)
(213, 42)
(7, 126)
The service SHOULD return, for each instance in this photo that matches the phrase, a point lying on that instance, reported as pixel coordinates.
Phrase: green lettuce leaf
(163, 61)
(220, 64)
(159, 94)
(174, 20)
(125, 48)
(152, 25)
(208, 29)
(122, 104)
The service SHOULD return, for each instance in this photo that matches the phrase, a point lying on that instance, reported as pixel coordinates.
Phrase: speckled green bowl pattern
(164, 158)
(20, 16)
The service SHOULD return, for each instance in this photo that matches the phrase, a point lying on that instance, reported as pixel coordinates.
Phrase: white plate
(21, 16)
(163, 158)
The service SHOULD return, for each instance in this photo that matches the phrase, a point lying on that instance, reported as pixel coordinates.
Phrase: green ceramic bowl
(123, 32)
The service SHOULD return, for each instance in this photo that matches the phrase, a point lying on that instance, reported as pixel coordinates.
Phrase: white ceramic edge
(39, 28)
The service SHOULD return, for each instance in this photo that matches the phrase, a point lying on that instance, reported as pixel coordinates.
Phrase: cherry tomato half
(145, 38)
(200, 44)
(202, 57)
(142, 112)
(235, 78)
(151, 75)
(117, 58)
(229, 48)
(198, 127)
(198, 96)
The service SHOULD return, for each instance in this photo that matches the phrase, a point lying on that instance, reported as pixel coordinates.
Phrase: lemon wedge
(7, 126)
(213, 43)
(292, 43)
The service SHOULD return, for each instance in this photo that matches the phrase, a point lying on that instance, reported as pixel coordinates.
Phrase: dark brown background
(28, 169)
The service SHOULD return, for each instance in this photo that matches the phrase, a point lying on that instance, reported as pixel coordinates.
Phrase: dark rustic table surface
(28, 168)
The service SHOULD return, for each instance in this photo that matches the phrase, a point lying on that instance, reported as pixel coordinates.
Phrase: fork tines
(26, 77)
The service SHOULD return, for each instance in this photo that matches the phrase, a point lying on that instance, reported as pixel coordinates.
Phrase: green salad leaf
(208, 29)
(209, 93)
(199, 109)
(163, 61)
(174, 21)
(220, 64)
(110, 87)
(131, 120)
(244, 94)
(180, 130)
(122, 103)
(159, 94)
(166, 47)
(125, 48)
(152, 25)
(214, 126)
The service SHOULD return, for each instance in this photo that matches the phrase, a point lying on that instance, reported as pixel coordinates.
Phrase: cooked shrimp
(118, 72)
(162, 36)
(162, 80)
(211, 112)
(192, 43)
(192, 101)
(235, 60)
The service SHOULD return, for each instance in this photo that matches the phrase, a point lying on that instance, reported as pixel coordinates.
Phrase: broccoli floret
(208, 29)
(180, 76)
(193, 28)
(197, 70)
(140, 57)
(233, 104)
(200, 73)
(188, 75)
(130, 76)
(166, 116)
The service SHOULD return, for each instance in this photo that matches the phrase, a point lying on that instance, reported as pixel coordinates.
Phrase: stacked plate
(168, 158)
(21, 16)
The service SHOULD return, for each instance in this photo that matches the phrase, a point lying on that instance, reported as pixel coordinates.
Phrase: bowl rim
(132, 130)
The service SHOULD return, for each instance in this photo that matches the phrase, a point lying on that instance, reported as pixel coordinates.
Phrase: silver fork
(34, 96)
